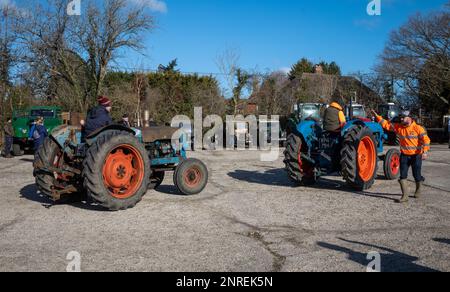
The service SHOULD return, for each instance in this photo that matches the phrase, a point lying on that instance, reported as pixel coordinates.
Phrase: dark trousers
(8, 145)
(415, 162)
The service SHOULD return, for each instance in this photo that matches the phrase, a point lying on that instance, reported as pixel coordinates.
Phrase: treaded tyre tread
(45, 155)
(179, 180)
(293, 146)
(93, 166)
(349, 156)
(387, 164)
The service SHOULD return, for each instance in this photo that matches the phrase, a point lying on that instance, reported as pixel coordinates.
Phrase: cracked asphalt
(251, 218)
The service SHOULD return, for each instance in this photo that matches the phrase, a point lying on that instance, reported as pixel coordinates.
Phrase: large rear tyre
(391, 165)
(48, 154)
(116, 170)
(299, 170)
(191, 177)
(359, 158)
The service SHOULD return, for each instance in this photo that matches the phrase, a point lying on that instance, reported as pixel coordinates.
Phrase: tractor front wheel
(116, 170)
(191, 177)
(392, 164)
(359, 158)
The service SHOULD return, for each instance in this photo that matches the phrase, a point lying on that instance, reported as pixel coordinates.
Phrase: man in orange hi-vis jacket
(414, 146)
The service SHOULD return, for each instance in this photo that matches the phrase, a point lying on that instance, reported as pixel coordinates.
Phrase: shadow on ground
(442, 240)
(31, 193)
(391, 260)
(278, 177)
(271, 177)
(169, 190)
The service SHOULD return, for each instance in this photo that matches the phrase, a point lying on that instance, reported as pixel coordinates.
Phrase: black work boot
(404, 186)
(418, 193)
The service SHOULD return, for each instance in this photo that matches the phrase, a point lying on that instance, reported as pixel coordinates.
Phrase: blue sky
(269, 34)
(272, 34)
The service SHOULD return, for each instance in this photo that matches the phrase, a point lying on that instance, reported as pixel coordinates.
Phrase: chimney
(318, 69)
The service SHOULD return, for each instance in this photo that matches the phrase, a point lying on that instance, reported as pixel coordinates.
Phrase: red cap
(104, 101)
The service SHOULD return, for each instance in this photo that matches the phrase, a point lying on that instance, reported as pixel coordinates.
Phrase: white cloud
(155, 5)
(285, 70)
(6, 3)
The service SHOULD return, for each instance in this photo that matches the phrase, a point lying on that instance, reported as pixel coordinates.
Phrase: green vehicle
(23, 121)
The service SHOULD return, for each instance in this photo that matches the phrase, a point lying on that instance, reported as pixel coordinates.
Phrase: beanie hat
(104, 101)
(404, 114)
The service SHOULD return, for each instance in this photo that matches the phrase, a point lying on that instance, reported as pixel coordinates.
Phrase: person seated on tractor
(99, 116)
(414, 146)
(334, 118)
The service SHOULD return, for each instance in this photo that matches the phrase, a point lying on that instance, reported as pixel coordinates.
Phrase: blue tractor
(312, 152)
(115, 166)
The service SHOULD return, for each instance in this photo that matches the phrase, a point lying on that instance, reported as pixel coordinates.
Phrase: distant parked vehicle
(358, 111)
(23, 121)
(390, 112)
(305, 111)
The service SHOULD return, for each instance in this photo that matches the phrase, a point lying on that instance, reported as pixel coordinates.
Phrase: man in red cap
(99, 116)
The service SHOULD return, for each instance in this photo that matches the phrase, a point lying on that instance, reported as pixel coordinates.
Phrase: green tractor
(23, 120)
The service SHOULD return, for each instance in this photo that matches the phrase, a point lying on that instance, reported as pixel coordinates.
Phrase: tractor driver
(334, 118)
(99, 116)
(414, 146)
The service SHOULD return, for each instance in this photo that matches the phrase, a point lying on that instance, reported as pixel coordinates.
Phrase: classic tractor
(312, 152)
(355, 110)
(115, 166)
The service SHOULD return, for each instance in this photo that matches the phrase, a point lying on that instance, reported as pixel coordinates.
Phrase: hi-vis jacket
(414, 139)
(334, 118)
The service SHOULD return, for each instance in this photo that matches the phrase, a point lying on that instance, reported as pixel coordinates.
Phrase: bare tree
(8, 59)
(228, 64)
(105, 31)
(417, 56)
(236, 78)
(140, 84)
(68, 56)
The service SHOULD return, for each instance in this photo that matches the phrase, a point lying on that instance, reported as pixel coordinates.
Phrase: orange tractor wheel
(116, 170)
(359, 159)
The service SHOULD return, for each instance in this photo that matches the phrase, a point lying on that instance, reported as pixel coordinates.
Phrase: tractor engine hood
(150, 135)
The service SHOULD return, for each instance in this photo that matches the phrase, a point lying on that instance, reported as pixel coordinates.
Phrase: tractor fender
(375, 128)
(307, 130)
(92, 137)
